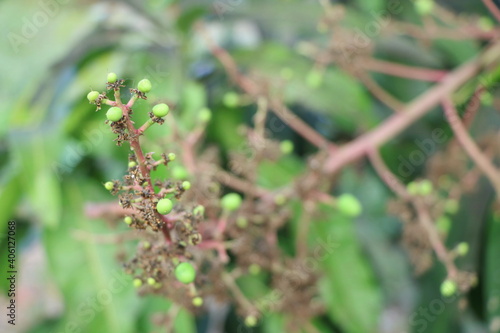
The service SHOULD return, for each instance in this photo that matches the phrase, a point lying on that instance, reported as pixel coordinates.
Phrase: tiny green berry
(146, 245)
(171, 157)
(185, 272)
(164, 206)
(160, 110)
(425, 187)
(92, 96)
(451, 206)
(448, 288)
(131, 164)
(443, 224)
(286, 147)
(199, 210)
(109, 186)
(413, 188)
(462, 249)
(231, 201)
(127, 220)
(179, 172)
(241, 222)
(424, 7)
(112, 77)
(157, 285)
(250, 321)
(151, 281)
(114, 113)
(254, 269)
(137, 283)
(231, 99)
(186, 185)
(144, 86)
(198, 301)
(349, 205)
(205, 115)
(280, 200)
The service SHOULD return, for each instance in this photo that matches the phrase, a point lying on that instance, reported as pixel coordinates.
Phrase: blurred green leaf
(98, 294)
(280, 173)
(349, 287)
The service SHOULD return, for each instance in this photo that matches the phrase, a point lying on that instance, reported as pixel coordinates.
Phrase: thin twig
(387, 176)
(405, 71)
(303, 229)
(412, 112)
(470, 146)
(379, 92)
(493, 8)
(238, 295)
(423, 214)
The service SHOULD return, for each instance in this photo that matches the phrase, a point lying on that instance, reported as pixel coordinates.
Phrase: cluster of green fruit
(150, 274)
(116, 113)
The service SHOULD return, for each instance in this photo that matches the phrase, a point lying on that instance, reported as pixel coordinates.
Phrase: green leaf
(273, 323)
(349, 287)
(372, 6)
(98, 294)
(40, 179)
(189, 17)
(185, 322)
(276, 174)
(193, 100)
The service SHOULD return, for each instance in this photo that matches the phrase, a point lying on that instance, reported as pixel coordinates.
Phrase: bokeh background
(56, 152)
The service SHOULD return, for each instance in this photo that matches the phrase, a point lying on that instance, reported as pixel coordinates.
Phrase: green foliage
(349, 280)
(56, 152)
(185, 272)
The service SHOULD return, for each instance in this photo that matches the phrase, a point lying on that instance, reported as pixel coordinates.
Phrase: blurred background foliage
(55, 153)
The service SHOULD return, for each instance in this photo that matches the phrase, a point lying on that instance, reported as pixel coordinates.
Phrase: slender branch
(239, 184)
(96, 210)
(256, 92)
(379, 92)
(238, 295)
(412, 112)
(442, 253)
(387, 176)
(303, 229)
(483, 163)
(410, 72)
(424, 217)
(136, 148)
(473, 106)
(493, 8)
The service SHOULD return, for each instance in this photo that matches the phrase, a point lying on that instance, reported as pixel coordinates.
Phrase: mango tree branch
(422, 210)
(357, 148)
(482, 162)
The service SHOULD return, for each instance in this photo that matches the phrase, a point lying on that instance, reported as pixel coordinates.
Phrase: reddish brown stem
(379, 92)
(412, 112)
(493, 8)
(422, 210)
(410, 72)
(256, 92)
(483, 163)
(136, 147)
